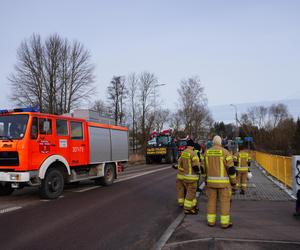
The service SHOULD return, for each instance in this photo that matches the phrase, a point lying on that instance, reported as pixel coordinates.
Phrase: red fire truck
(48, 151)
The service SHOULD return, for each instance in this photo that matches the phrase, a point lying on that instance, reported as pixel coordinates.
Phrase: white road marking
(188, 241)
(85, 189)
(167, 234)
(181, 243)
(10, 209)
(141, 174)
(132, 176)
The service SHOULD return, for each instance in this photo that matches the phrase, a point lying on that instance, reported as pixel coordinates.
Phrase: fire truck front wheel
(109, 176)
(5, 189)
(52, 185)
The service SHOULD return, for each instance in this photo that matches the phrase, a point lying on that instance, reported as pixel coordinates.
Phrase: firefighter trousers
(242, 179)
(190, 201)
(224, 195)
(180, 191)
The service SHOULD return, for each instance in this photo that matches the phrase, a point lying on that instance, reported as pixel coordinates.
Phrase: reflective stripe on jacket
(187, 160)
(243, 158)
(217, 161)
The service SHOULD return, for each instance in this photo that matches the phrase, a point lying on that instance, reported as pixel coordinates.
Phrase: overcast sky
(243, 51)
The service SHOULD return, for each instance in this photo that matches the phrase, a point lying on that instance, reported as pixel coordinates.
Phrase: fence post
(285, 183)
(277, 168)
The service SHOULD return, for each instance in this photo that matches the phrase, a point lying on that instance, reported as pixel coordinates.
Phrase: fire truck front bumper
(14, 176)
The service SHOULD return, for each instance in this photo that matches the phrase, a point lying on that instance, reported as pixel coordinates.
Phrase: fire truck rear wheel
(109, 176)
(52, 185)
(5, 189)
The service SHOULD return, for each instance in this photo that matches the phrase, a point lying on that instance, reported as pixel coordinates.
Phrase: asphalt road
(131, 214)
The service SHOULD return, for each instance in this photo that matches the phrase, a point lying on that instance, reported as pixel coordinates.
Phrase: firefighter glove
(231, 171)
(196, 169)
(201, 170)
(175, 166)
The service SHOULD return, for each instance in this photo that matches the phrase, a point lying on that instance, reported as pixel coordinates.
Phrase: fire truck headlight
(14, 177)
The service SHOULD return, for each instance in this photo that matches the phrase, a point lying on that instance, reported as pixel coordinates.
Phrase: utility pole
(237, 132)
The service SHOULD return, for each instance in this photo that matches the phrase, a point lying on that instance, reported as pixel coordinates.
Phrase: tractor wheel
(148, 160)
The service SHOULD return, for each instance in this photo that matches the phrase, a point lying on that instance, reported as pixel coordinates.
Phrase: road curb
(168, 233)
(197, 242)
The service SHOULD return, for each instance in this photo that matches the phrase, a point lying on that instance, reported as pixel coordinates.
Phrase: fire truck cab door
(78, 147)
(42, 141)
(63, 138)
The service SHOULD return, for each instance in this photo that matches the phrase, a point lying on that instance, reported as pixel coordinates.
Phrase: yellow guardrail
(278, 166)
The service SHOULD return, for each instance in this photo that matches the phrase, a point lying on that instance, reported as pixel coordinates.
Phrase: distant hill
(226, 113)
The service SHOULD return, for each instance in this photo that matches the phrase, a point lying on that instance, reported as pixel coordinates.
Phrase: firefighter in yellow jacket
(187, 179)
(243, 162)
(220, 176)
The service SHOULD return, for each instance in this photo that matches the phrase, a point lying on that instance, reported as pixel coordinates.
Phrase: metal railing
(278, 166)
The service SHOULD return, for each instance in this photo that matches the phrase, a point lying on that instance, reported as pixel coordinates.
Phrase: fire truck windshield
(13, 126)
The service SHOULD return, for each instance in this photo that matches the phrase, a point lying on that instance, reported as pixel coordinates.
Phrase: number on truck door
(62, 138)
(78, 148)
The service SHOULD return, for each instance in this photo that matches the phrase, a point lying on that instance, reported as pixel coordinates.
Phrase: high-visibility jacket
(243, 158)
(201, 161)
(218, 162)
(200, 156)
(187, 160)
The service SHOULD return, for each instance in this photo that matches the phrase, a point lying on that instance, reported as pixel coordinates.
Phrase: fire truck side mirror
(46, 126)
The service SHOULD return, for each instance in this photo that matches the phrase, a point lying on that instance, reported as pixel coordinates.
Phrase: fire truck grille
(9, 159)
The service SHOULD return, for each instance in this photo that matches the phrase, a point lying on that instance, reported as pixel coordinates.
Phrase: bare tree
(81, 76)
(52, 58)
(193, 105)
(54, 75)
(28, 80)
(101, 108)
(162, 117)
(147, 83)
(132, 83)
(257, 115)
(271, 127)
(64, 76)
(278, 113)
(176, 122)
(116, 94)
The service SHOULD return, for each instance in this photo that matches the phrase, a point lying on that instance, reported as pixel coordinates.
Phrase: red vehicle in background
(161, 147)
(182, 145)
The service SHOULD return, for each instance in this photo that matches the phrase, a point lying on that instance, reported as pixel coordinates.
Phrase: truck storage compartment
(119, 145)
(100, 145)
(108, 144)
